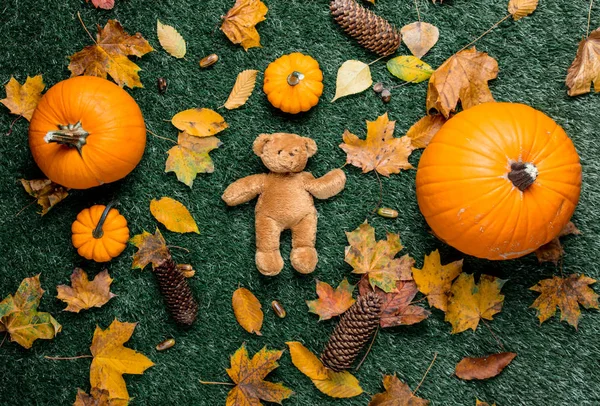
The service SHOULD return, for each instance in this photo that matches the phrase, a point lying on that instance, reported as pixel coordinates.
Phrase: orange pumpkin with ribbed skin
(293, 83)
(100, 233)
(499, 180)
(87, 131)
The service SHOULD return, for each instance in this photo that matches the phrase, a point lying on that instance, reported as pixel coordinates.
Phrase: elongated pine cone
(354, 329)
(176, 292)
(371, 31)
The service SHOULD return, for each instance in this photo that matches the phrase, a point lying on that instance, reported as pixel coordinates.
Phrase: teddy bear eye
(279, 152)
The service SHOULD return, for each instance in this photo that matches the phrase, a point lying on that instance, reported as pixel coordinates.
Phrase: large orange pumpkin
(499, 180)
(87, 131)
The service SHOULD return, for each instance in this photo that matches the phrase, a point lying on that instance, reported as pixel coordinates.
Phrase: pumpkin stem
(522, 174)
(294, 78)
(98, 232)
(71, 135)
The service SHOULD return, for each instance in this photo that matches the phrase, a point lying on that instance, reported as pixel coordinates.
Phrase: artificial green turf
(556, 365)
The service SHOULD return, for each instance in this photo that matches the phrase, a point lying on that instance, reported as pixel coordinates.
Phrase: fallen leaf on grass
(521, 8)
(199, 122)
(434, 279)
(352, 77)
(249, 377)
(469, 303)
(585, 69)
(420, 37)
(242, 89)
(173, 215)
(103, 4)
(247, 310)
(23, 99)
(20, 318)
(47, 193)
(566, 294)
(423, 131)
(83, 294)
(553, 251)
(171, 40)
(463, 77)
(380, 151)
(190, 157)
(109, 56)
(152, 248)
(97, 397)
(480, 403)
(240, 21)
(470, 368)
(397, 393)
(409, 68)
(331, 302)
(334, 384)
(112, 360)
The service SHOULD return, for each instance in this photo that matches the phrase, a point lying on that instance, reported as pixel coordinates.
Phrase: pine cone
(353, 331)
(371, 31)
(177, 293)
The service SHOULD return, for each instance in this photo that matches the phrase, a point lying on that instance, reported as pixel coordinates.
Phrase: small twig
(376, 60)
(589, 18)
(426, 372)
(85, 28)
(493, 335)
(380, 193)
(417, 7)
(418, 301)
(485, 33)
(368, 349)
(400, 85)
(68, 358)
(216, 383)
(5, 335)
(10, 128)
(161, 137)
(177, 246)
(23, 209)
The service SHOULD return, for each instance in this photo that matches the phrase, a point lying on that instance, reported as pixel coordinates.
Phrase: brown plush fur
(285, 200)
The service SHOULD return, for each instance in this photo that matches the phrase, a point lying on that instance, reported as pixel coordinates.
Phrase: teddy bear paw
(304, 259)
(269, 263)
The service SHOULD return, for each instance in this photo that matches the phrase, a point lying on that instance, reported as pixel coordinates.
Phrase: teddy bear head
(283, 152)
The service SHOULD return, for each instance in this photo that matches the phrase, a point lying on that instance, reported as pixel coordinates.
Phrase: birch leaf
(170, 40)
(242, 89)
(420, 37)
(352, 77)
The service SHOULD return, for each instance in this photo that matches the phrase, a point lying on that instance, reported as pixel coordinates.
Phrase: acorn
(386, 95)
(161, 83)
(209, 60)
(378, 87)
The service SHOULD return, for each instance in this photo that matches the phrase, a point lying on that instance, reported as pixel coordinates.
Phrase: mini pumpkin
(87, 131)
(293, 83)
(100, 233)
(499, 180)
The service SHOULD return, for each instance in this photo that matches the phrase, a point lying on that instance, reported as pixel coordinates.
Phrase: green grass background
(556, 365)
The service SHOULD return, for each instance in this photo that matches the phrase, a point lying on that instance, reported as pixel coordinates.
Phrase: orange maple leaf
(331, 302)
(240, 21)
(434, 279)
(152, 248)
(380, 151)
(23, 99)
(83, 294)
(397, 393)
(109, 56)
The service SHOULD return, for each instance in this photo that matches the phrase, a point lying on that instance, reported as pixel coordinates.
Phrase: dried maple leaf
(553, 251)
(521, 8)
(97, 397)
(173, 215)
(420, 37)
(396, 308)
(249, 378)
(469, 303)
(83, 294)
(331, 302)
(152, 248)
(21, 320)
(190, 157)
(397, 393)
(484, 367)
(109, 56)
(333, 384)
(247, 310)
(103, 4)
(376, 258)
(240, 21)
(585, 69)
(171, 40)
(422, 131)
(199, 122)
(46, 192)
(434, 279)
(566, 294)
(463, 77)
(22, 100)
(242, 89)
(112, 360)
(380, 151)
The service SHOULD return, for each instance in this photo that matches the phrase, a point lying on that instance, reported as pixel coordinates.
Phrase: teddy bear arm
(327, 185)
(243, 190)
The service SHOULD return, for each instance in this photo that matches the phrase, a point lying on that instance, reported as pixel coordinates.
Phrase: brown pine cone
(354, 329)
(176, 292)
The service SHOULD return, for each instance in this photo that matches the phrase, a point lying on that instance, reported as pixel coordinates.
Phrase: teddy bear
(285, 200)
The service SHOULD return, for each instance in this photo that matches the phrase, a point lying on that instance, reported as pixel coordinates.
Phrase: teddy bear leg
(268, 257)
(304, 255)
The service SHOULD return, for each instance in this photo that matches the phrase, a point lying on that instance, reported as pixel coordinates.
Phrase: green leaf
(409, 68)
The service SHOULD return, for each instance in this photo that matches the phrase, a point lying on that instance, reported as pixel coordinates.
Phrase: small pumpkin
(293, 83)
(87, 131)
(100, 233)
(499, 180)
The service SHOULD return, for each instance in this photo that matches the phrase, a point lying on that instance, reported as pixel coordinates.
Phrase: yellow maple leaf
(434, 279)
(469, 303)
(190, 157)
(331, 302)
(83, 294)
(173, 215)
(109, 56)
(112, 360)
(247, 310)
(397, 393)
(380, 151)
(585, 69)
(240, 21)
(23, 99)
(152, 248)
(45, 191)
(199, 122)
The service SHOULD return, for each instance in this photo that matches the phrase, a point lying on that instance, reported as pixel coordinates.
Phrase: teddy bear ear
(311, 146)
(259, 143)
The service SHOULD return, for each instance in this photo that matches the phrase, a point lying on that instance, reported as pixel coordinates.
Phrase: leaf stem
(10, 128)
(216, 383)
(85, 28)
(68, 358)
(23, 209)
(376, 60)
(176, 246)
(380, 193)
(162, 138)
(589, 18)
(493, 335)
(368, 349)
(425, 375)
(5, 335)
(417, 7)
(485, 33)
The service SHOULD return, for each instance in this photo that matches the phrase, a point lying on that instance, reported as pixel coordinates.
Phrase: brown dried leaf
(247, 310)
(240, 21)
(242, 89)
(22, 100)
(83, 294)
(190, 157)
(553, 251)
(47, 193)
(435, 279)
(521, 8)
(484, 367)
(423, 131)
(103, 4)
(331, 302)
(97, 397)
(585, 69)
(397, 393)
(152, 248)
(420, 37)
